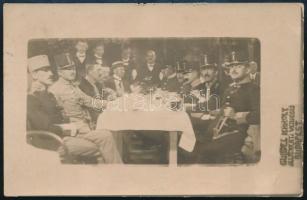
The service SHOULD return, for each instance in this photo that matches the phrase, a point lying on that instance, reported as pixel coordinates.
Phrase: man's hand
(229, 112)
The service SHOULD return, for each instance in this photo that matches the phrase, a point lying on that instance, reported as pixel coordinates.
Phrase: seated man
(170, 82)
(91, 85)
(74, 102)
(209, 94)
(241, 108)
(117, 82)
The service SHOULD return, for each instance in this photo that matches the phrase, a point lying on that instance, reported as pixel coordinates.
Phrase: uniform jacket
(215, 95)
(43, 112)
(245, 100)
(75, 103)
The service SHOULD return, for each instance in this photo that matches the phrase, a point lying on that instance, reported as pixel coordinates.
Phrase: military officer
(74, 102)
(44, 113)
(241, 108)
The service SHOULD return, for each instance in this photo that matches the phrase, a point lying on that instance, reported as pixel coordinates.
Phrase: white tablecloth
(150, 120)
(157, 119)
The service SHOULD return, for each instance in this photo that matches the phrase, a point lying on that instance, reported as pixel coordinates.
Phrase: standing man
(149, 74)
(98, 57)
(74, 102)
(117, 82)
(129, 64)
(80, 57)
(43, 113)
(254, 74)
(241, 108)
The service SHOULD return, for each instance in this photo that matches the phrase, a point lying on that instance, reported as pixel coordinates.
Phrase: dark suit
(129, 67)
(150, 78)
(256, 78)
(170, 84)
(89, 89)
(80, 66)
(110, 83)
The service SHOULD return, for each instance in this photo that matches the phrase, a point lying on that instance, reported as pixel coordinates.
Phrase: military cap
(38, 62)
(117, 64)
(206, 64)
(235, 61)
(63, 61)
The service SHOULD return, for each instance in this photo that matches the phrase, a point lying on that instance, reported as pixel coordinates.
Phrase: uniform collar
(241, 82)
(65, 82)
(150, 66)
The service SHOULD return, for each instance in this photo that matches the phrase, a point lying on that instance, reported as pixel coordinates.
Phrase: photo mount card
(186, 38)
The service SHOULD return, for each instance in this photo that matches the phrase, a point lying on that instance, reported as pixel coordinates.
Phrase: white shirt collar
(150, 66)
(98, 57)
(78, 54)
(116, 77)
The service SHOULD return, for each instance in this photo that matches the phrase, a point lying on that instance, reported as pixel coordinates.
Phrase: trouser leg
(105, 142)
(78, 147)
(217, 148)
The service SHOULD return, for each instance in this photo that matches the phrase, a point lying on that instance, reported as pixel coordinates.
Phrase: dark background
(169, 50)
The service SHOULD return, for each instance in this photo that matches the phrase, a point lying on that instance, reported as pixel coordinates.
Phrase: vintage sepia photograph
(172, 99)
(177, 101)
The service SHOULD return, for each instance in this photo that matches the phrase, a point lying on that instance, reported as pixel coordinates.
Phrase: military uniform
(43, 112)
(244, 98)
